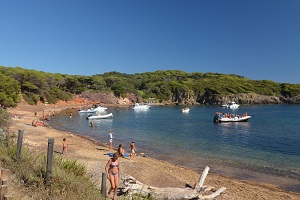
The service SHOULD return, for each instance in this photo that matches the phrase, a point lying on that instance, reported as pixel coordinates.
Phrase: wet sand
(145, 169)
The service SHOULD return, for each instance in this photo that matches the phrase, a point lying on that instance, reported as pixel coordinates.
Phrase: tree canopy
(163, 85)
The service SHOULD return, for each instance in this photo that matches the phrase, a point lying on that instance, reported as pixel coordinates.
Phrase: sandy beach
(145, 169)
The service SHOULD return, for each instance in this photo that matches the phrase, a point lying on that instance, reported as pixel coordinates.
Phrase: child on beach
(65, 146)
(133, 149)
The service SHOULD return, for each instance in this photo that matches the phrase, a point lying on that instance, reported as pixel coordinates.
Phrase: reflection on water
(243, 127)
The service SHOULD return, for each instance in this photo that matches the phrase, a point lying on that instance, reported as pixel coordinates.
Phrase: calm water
(267, 148)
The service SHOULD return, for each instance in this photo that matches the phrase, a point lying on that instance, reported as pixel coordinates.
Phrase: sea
(264, 149)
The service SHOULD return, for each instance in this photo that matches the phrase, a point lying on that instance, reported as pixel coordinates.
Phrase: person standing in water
(92, 124)
(110, 139)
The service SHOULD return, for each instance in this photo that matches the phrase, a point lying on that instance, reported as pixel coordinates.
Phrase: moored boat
(232, 105)
(101, 116)
(139, 106)
(185, 110)
(93, 110)
(219, 118)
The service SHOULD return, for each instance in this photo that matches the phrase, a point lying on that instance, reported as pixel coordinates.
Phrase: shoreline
(147, 170)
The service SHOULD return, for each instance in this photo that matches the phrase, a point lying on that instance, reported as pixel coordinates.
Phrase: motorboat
(232, 105)
(139, 106)
(185, 110)
(101, 116)
(219, 118)
(234, 119)
(93, 110)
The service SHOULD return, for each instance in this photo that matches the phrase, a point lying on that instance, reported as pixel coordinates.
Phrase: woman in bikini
(112, 169)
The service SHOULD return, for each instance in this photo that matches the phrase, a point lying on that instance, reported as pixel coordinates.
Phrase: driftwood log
(133, 186)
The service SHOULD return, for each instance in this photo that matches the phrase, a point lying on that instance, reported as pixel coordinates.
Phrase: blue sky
(257, 39)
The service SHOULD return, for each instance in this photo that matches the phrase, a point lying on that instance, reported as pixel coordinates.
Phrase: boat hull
(185, 110)
(235, 119)
(140, 107)
(101, 116)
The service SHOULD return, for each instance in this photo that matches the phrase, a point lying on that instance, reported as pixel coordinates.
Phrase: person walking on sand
(65, 146)
(110, 139)
(112, 169)
(132, 149)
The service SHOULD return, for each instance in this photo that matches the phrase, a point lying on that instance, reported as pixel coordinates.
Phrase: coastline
(147, 170)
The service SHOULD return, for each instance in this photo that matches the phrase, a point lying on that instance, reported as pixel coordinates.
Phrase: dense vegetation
(167, 85)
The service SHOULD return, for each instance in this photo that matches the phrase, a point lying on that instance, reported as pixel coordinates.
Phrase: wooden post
(4, 181)
(7, 197)
(20, 141)
(4, 189)
(4, 173)
(49, 159)
(103, 186)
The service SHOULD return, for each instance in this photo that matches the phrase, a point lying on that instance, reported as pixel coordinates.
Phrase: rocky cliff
(250, 98)
(192, 99)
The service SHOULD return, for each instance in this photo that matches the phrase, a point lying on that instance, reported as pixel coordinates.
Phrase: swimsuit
(113, 166)
(114, 174)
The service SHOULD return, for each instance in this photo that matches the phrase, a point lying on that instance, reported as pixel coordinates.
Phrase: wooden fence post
(49, 159)
(7, 197)
(4, 190)
(4, 181)
(4, 173)
(103, 185)
(20, 141)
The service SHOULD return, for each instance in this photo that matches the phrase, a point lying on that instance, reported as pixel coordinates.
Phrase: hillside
(166, 87)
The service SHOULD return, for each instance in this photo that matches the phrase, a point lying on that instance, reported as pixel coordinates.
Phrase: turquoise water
(266, 148)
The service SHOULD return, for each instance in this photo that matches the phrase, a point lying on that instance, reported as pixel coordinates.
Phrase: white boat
(234, 119)
(100, 109)
(138, 106)
(232, 105)
(103, 116)
(185, 110)
(93, 110)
